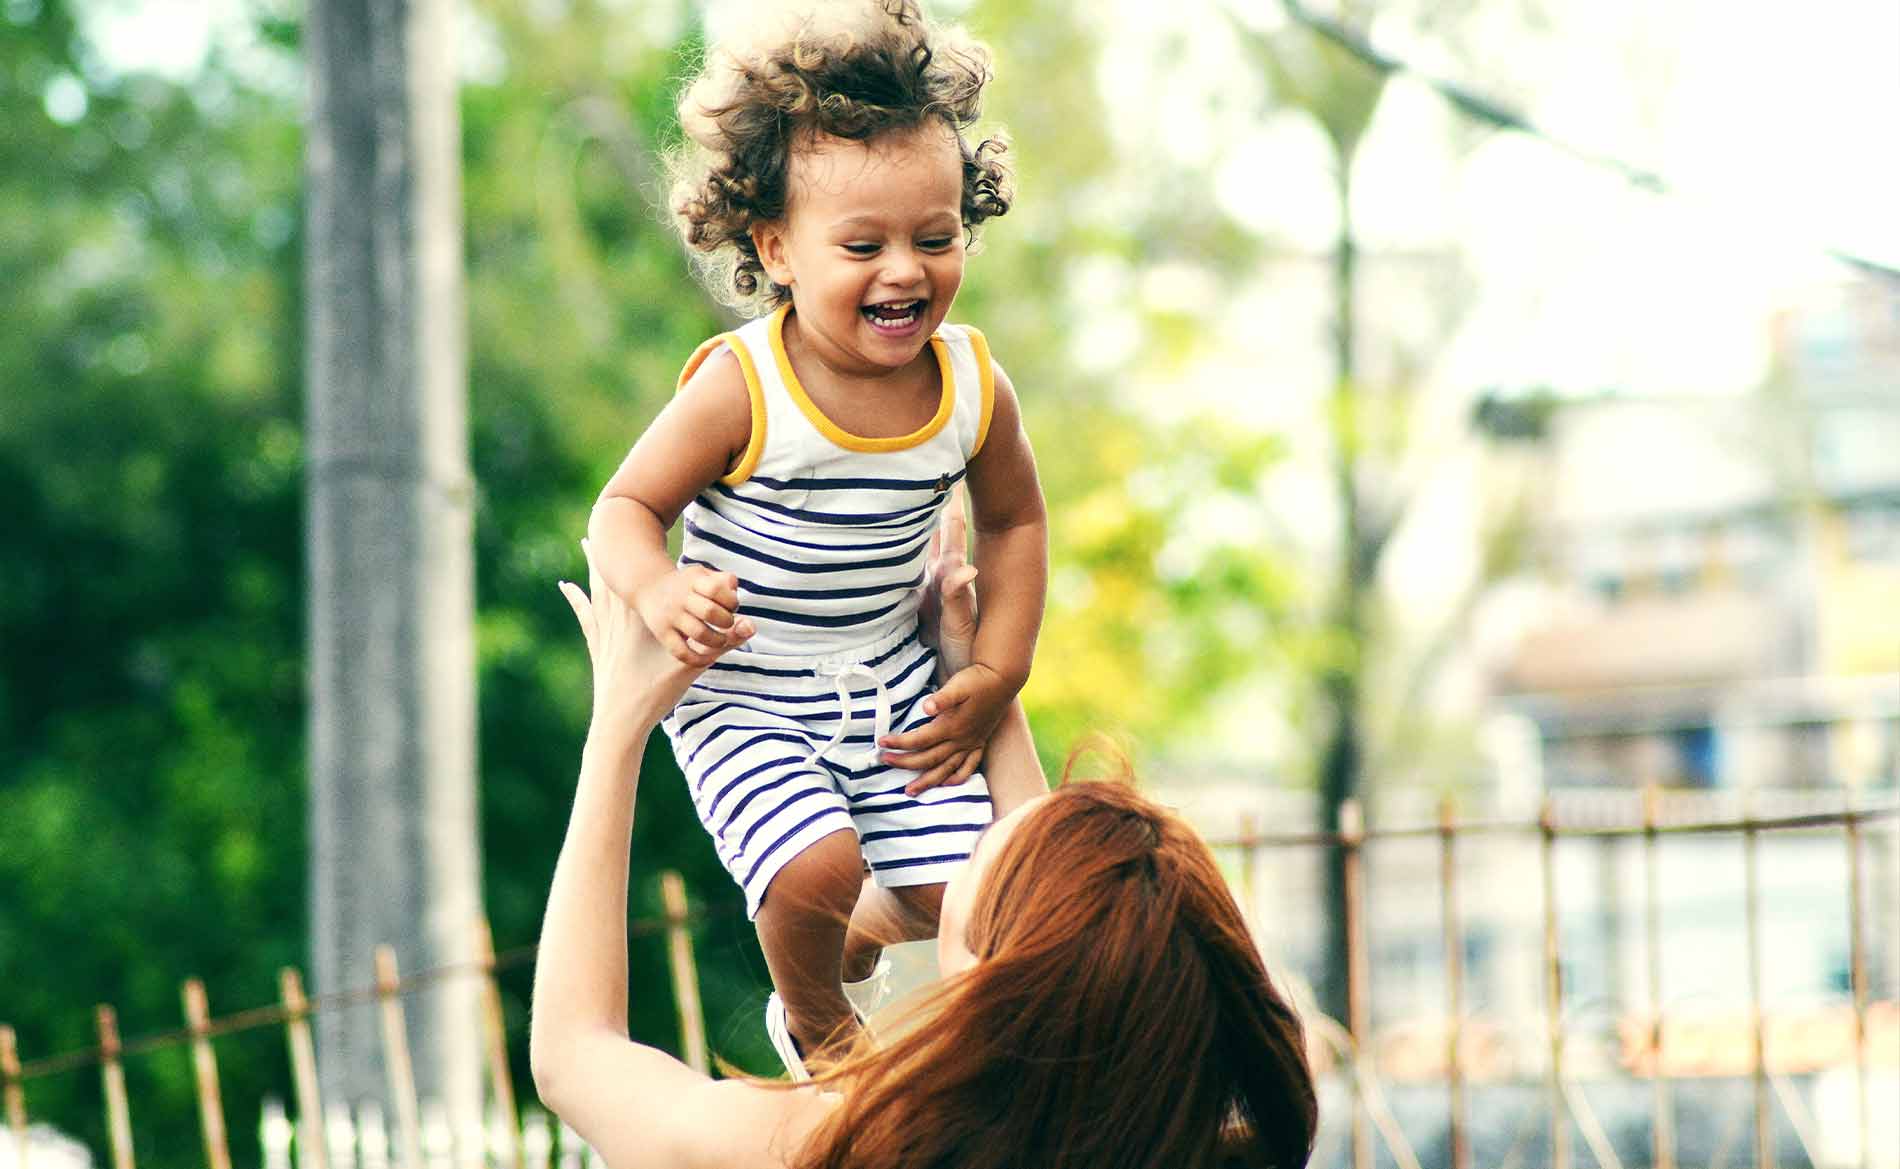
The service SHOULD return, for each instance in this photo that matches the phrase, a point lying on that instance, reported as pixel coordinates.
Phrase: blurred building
(1723, 575)
(1714, 608)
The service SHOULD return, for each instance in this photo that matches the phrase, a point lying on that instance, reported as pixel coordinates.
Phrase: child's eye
(936, 244)
(862, 249)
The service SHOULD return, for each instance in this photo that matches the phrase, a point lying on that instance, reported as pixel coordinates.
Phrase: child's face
(871, 244)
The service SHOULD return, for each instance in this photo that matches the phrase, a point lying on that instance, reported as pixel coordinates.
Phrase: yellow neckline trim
(852, 442)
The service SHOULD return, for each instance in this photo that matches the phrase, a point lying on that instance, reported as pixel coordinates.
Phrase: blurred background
(1486, 399)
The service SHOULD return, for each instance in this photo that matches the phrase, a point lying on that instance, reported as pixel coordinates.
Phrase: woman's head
(813, 105)
(1111, 1010)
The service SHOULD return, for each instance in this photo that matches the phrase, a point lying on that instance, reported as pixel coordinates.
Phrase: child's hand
(691, 612)
(948, 747)
(635, 682)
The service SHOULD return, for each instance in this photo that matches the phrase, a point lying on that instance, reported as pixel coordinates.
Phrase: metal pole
(312, 1149)
(402, 1074)
(679, 952)
(1553, 989)
(205, 1074)
(1454, 982)
(1663, 1122)
(1857, 967)
(112, 1076)
(1352, 838)
(1757, 1021)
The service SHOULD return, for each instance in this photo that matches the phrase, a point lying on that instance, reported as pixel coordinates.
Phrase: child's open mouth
(894, 316)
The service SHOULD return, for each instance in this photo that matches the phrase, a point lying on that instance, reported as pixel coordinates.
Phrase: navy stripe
(775, 736)
(695, 529)
(805, 737)
(895, 833)
(732, 814)
(905, 805)
(814, 594)
(869, 519)
(712, 809)
(820, 814)
(807, 672)
(895, 679)
(772, 817)
(795, 566)
(913, 861)
(822, 620)
(857, 484)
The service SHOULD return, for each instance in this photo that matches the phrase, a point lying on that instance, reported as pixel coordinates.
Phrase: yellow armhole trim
(755, 443)
(986, 377)
(946, 404)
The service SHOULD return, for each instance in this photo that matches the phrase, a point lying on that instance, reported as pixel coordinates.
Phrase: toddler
(828, 187)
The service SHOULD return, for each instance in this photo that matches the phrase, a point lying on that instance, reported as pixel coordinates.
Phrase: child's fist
(691, 611)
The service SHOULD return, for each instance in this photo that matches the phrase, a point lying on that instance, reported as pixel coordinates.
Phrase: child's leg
(802, 924)
(885, 917)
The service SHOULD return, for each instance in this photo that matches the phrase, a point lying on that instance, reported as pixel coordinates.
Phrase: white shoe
(868, 996)
(779, 1030)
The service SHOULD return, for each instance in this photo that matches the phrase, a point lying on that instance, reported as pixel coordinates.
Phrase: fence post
(1663, 1121)
(313, 1150)
(205, 1072)
(1454, 982)
(1857, 973)
(1757, 1016)
(1553, 987)
(1352, 838)
(402, 1074)
(679, 952)
(495, 1032)
(15, 1092)
(112, 1075)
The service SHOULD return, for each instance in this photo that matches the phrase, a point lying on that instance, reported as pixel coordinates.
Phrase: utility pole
(394, 852)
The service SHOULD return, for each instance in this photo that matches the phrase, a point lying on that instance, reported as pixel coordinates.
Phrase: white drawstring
(843, 673)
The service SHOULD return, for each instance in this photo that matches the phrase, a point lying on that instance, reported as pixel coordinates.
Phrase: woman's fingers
(583, 611)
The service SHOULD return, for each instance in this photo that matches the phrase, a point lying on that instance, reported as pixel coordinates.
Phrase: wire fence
(418, 1137)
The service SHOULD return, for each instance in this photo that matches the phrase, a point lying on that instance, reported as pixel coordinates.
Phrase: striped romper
(829, 535)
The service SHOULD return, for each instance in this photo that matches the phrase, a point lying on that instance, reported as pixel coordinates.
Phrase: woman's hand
(636, 680)
(948, 611)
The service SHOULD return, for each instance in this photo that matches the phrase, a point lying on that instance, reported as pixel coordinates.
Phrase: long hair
(1118, 1017)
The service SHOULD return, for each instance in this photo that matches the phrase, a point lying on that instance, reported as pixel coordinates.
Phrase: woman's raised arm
(636, 1105)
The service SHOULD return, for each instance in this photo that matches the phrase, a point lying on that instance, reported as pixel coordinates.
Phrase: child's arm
(694, 441)
(1012, 554)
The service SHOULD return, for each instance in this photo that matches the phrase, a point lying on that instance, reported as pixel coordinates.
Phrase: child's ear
(769, 239)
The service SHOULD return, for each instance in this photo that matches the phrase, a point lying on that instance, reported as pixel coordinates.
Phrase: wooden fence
(419, 1136)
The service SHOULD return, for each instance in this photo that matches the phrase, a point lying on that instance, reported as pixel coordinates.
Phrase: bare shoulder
(718, 397)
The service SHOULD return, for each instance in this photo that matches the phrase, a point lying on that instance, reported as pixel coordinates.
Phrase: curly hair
(852, 69)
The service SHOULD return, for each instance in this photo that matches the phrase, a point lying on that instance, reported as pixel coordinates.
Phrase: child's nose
(903, 266)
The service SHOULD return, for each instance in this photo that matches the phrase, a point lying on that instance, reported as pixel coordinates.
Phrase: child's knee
(822, 880)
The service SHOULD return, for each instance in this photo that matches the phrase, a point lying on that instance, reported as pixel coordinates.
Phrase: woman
(1102, 1002)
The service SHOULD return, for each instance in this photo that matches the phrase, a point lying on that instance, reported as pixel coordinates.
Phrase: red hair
(1118, 1017)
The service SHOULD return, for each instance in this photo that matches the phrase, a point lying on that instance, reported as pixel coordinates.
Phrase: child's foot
(779, 1030)
(867, 997)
